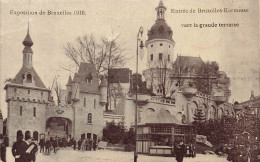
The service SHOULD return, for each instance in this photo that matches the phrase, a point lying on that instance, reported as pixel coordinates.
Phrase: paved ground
(68, 155)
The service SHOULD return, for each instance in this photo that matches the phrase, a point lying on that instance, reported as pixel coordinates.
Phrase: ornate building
(180, 100)
(30, 104)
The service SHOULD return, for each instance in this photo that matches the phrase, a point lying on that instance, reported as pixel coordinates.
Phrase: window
(29, 78)
(41, 93)
(151, 57)
(14, 90)
(161, 44)
(168, 57)
(94, 103)
(29, 92)
(169, 46)
(84, 102)
(21, 110)
(151, 45)
(160, 56)
(89, 118)
(34, 112)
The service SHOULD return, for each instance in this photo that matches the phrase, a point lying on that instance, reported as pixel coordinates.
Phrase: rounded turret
(103, 91)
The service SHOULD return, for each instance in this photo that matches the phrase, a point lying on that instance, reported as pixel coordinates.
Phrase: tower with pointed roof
(160, 52)
(160, 44)
(26, 97)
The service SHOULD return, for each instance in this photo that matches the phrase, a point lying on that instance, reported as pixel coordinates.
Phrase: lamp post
(139, 34)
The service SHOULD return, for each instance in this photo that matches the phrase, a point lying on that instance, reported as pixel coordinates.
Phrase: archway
(58, 126)
(179, 116)
(205, 110)
(193, 106)
(220, 112)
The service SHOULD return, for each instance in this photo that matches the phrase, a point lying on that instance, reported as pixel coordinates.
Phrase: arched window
(89, 118)
(29, 78)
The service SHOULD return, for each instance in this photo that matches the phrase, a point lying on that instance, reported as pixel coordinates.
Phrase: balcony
(142, 99)
(219, 99)
(189, 92)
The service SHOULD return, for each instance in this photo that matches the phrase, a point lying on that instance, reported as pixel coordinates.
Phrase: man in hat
(19, 148)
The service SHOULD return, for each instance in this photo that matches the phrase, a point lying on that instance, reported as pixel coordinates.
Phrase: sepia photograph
(129, 81)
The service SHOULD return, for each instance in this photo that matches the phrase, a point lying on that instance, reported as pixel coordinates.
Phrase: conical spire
(160, 11)
(160, 5)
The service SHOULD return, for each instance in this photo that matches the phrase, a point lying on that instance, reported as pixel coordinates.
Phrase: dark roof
(161, 117)
(160, 5)
(27, 42)
(86, 70)
(18, 79)
(121, 75)
(188, 61)
(160, 30)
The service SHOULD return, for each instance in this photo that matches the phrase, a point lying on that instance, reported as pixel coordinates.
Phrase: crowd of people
(81, 144)
(25, 147)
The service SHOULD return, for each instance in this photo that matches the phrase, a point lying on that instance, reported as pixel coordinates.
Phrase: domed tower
(160, 44)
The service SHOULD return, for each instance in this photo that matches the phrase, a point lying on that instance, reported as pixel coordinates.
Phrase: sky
(236, 49)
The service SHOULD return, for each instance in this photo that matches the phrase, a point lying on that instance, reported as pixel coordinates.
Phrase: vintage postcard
(129, 80)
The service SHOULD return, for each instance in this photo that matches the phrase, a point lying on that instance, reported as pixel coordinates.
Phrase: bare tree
(160, 76)
(116, 92)
(104, 54)
(58, 91)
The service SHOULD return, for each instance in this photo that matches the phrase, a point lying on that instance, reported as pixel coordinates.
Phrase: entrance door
(88, 135)
(83, 136)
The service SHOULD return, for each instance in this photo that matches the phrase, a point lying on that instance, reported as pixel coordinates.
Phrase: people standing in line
(94, 144)
(90, 144)
(42, 145)
(191, 151)
(79, 144)
(74, 143)
(47, 147)
(19, 147)
(87, 143)
(179, 151)
(54, 144)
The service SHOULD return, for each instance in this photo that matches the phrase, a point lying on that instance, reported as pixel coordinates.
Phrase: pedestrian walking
(94, 145)
(19, 147)
(47, 147)
(74, 143)
(42, 145)
(54, 145)
(179, 151)
(79, 144)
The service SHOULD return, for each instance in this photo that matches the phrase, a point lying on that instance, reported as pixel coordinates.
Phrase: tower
(160, 53)
(160, 45)
(26, 97)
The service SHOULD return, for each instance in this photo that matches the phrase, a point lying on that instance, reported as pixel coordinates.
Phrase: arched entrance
(58, 126)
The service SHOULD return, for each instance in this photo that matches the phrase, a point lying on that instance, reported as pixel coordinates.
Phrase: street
(69, 155)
